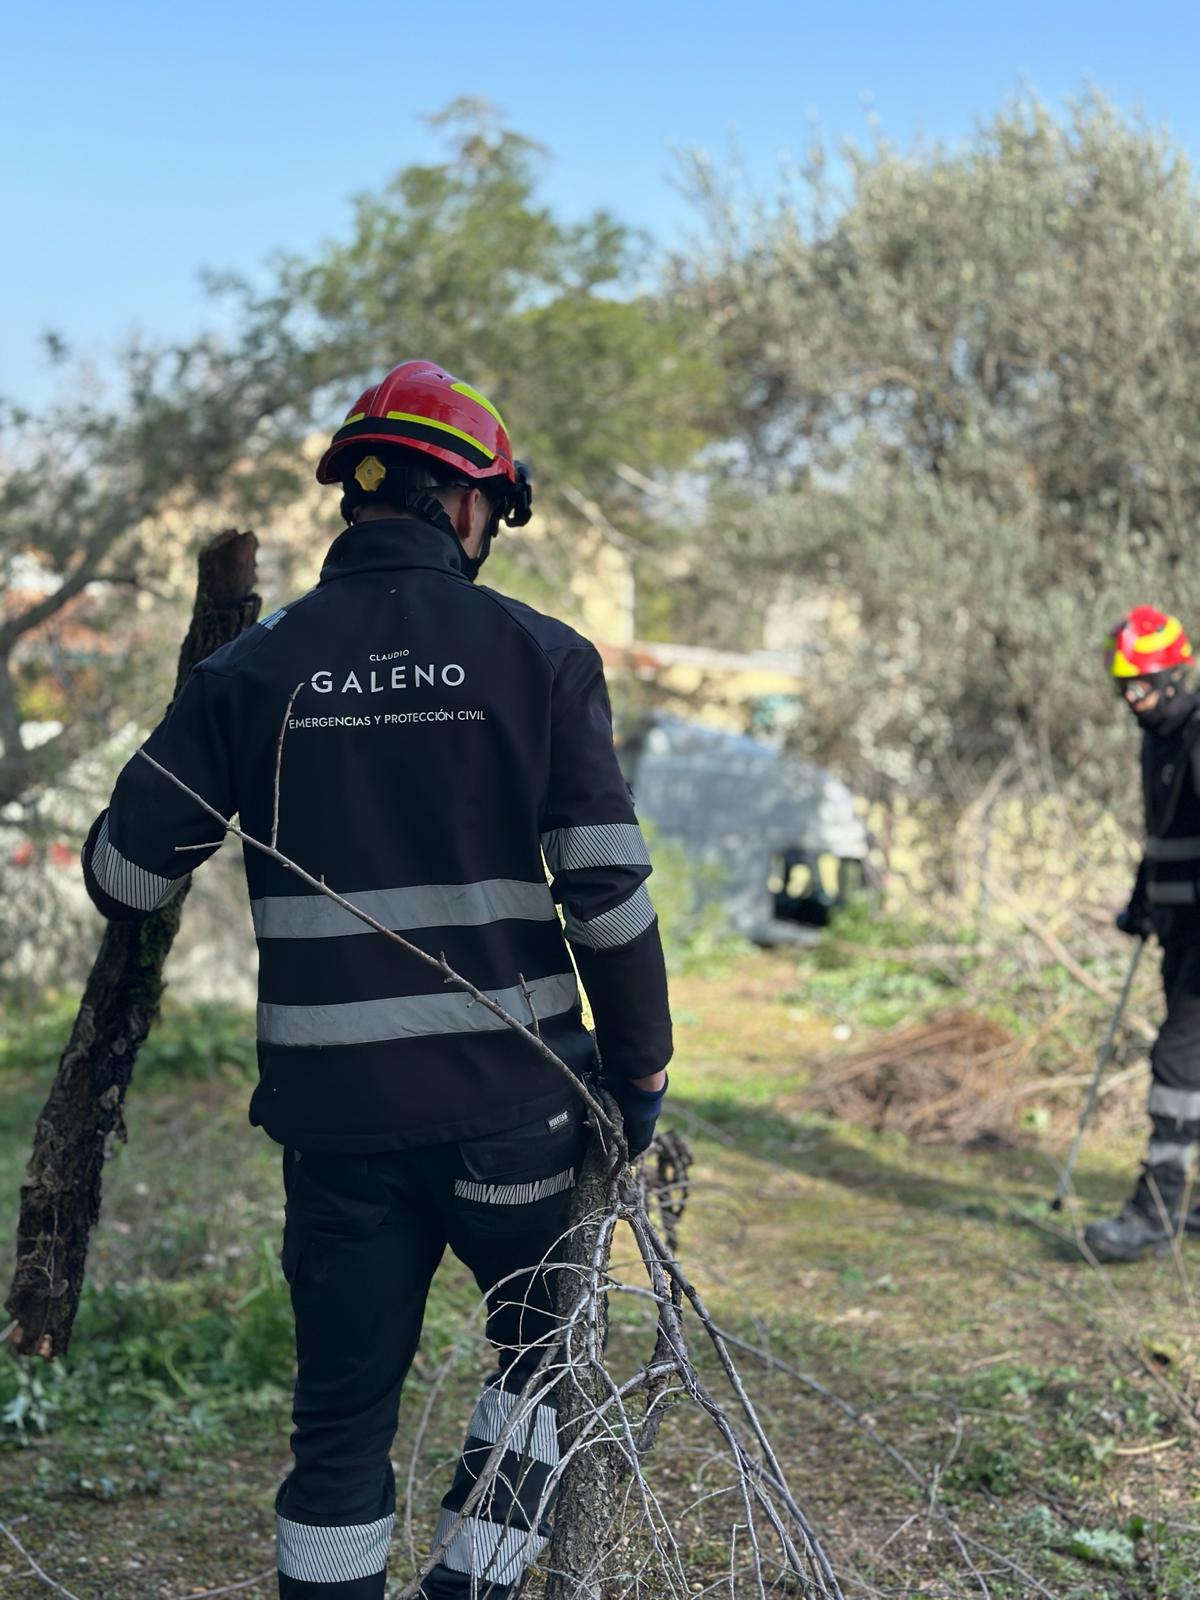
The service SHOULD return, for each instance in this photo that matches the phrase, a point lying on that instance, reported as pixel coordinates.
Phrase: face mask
(1138, 690)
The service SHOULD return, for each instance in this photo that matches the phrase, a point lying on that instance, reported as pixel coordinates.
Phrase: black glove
(1135, 921)
(639, 1112)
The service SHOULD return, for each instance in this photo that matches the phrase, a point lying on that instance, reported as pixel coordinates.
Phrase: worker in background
(444, 746)
(1149, 661)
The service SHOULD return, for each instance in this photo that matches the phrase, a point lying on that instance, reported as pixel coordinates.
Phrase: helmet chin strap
(472, 564)
(430, 509)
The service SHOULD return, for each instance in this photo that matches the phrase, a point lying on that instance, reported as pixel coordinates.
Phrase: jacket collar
(386, 544)
(1183, 706)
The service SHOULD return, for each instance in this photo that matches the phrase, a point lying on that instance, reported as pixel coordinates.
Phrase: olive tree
(960, 392)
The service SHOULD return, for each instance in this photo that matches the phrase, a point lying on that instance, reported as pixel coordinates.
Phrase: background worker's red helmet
(1147, 641)
(425, 409)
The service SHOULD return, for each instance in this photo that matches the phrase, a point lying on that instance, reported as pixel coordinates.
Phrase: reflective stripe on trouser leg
(1169, 1153)
(1174, 1113)
(319, 1555)
(1174, 1103)
(502, 1534)
(1174, 1126)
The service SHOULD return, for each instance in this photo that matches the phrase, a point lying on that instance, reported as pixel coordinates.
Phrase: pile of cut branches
(955, 1079)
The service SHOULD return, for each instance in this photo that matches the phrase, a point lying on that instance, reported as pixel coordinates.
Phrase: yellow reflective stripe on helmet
(444, 427)
(356, 416)
(1122, 667)
(1165, 636)
(479, 399)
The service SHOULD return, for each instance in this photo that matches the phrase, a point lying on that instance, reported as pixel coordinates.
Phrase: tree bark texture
(585, 1506)
(83, 1116)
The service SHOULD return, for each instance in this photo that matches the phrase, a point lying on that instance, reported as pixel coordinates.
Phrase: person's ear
(464, 519)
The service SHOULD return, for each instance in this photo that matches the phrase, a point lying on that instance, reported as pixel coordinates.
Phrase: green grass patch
(853, 974)
(924, 1285)
(188, 1042)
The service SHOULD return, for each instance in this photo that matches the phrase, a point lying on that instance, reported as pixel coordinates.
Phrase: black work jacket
(1169, 879)
(445, 746)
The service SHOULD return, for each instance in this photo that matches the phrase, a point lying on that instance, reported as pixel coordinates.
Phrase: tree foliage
(106, 493)
(960, 390)
(953, 389)
(92, 500)
(460, 261)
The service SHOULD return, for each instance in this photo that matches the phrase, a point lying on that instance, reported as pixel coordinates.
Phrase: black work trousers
(363, 1237)
(1175, 1057)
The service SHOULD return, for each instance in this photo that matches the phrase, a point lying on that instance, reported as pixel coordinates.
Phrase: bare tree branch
(438, 963)
(573, 1362)
(33, 1566)
(279, 763)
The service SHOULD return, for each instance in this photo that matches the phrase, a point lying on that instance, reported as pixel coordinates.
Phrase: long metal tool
(1106, 1050)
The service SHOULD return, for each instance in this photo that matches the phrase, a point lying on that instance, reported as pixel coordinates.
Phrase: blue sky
(144, 141)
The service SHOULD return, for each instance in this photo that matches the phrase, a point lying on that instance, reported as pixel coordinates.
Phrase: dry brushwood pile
(957, 1079)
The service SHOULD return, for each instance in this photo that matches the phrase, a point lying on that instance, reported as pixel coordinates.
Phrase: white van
(783, 836)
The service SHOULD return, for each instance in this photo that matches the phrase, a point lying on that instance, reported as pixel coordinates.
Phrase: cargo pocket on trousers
(331, 1201)
(523, 1173)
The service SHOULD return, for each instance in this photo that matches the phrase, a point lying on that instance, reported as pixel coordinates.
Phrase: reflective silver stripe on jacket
(487, 1549)
(492, 1411)
(1172, 849)
(1171, 894)
(130, 884)
(1166, 1153)
(1182, 1104)
(596, 844)
(333, 1555)
(412, 1016)
(424, 905)
(612, 928)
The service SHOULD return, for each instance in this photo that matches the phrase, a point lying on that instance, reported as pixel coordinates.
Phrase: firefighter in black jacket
(1150, 655)
(446, 745)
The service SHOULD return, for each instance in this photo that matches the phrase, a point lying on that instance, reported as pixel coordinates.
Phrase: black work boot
(443, 1584)
(1145, 1225)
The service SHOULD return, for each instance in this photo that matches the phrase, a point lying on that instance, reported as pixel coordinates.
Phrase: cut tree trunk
(586, 1503)
(83, 1116)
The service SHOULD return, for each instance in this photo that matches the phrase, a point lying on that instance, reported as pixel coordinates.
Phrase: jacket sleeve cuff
(108, 905)
(628, 1094)
(627, 988)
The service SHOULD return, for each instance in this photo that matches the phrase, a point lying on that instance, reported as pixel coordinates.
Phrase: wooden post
(60, 1200)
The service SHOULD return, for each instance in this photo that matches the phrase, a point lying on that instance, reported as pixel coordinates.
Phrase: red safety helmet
(1146, 642)
(425, 409)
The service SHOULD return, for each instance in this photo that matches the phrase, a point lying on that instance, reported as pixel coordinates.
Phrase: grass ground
(927, 1286)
